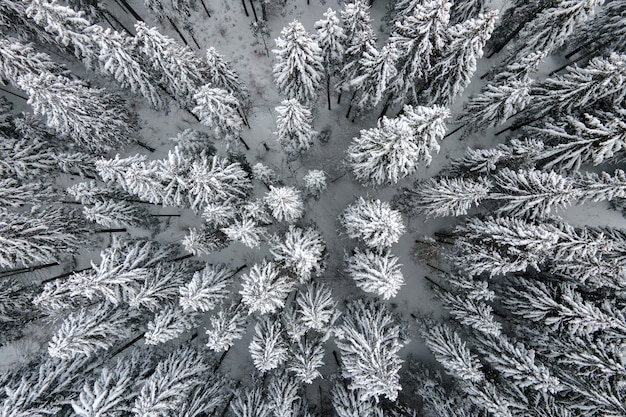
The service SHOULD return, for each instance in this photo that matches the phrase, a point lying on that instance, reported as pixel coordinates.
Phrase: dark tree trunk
(244, 143)
(263, 11)
(256, 18)
(11, 272)
(245, 8)
(453, 132)
(118, 230)
(193, 38)
(350, 106)
(146, 147)
(243, 117)
(127, 345)
(13, 94)
(130, 9)
(328, 89)
(64, 275)
(205, 8)
(339, 97)
(178, 31)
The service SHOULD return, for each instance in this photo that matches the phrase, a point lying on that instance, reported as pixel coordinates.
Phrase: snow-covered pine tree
(285, 203)
(218, 109)
(305, 359)
(207, 288)
(227, 325)
(110, 213)
(112, 392)
(69, 27)
(443, 196)
(369, 343)
(246, 231)
(220, 74)
(463, 10)
(89, 330)
(15, 194)
(376, 69)
(359, 37)
(83, 113)
(265, 174)
(250, 401)
(419, 34)
(551, 28)
(316, 308)
(182, 179)
(180, 70)
(452, 352)
(203, 241)
(169, 323)
(314, 183)
(580, 88)
(264, 289)
(453, 71)
(301, 251)
(594, 138)
(495, 104)
(39, 237)
(268, 347)
(294, 123)
(384, 154)
(299, 67)
(602, 186)
(283, 396)
(375, 272)
(173, 382)
(605, 32)
(374, 222)
(16, 308)
(21, 59)
(331, 39)
(532, 193)
(352, 403)
(476, 314)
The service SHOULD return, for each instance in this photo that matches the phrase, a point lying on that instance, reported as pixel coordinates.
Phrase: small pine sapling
(314, 183)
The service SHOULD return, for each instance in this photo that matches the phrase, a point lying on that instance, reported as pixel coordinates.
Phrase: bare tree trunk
(118, 230)
(205, 9)
(146, 147)
(244, 143)
(13, 94)
(130, 9)
(245, 8)
(328, 88)
(193, 38)
(11, 272)
(177, 31)
(350, 106)
(256, 18)
(454, 131)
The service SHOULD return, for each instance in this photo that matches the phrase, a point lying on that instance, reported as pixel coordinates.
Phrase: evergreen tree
(374, 222)
(419, 34)
(180, 69)
(369, 345)
(285, 203)
(250, 402)
(300, 251)
(294, 123)
(443, 197)
(246, 231)
(89, 330)
(19, 60)
(375, 272)
(601, 80)
(268, 348)
(314, 183)
(552, 27)
(264, 289)
(228, 325)
(283, 396)
(359, 37)
(351, 403)
(376, 70)
(463, 10)
(40, 237)
(110, 213)
(73, 109)
(306, 357)
(452, 352)
(594, 138)
(217, 109)
(220, 74)
(298, 69)
(331, 39)
(452, 73)
(316, 308)
(170, 323)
